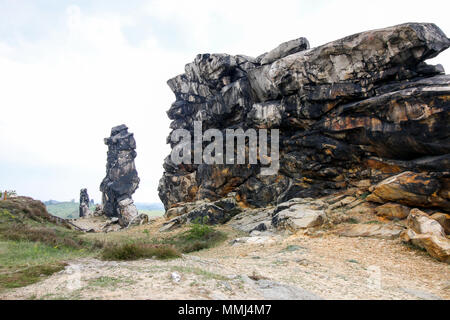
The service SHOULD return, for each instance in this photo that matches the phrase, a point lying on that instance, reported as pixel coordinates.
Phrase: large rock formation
(355, 111)
(121, 179)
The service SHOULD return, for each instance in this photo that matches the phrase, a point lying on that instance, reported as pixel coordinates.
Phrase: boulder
(250, 220)
(392, 211)
(411, 189)
(98, 211)
(216, 212)
(380, 231)
(421, 223)
(285, 49)
(437, 246)
(443, 219)
(295, 215)
(128, 213)
(427, 234)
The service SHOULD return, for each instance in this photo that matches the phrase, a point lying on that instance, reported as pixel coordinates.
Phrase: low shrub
(46, 235)
(198, 237)
(136, 251)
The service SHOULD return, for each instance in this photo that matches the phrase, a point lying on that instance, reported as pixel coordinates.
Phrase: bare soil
(296, 266)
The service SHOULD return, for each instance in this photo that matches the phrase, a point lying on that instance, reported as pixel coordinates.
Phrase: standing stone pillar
(121, 179)
(84, 203)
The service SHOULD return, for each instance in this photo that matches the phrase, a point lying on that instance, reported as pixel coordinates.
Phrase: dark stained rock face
(121, 179)
(84, 203)
(365, 107)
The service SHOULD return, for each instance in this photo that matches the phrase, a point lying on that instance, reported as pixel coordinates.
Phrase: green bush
(136, 251)
(199, 236)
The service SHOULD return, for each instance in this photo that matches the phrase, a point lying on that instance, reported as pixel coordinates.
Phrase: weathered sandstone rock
(428, 234)
(437, 246)
(299, 214)
(421, 223)
(353, 112)
(285, 49)
(383, 231)
(443, 219)
(393, 211)
(121, 179)
(84, 204)
(410, 188)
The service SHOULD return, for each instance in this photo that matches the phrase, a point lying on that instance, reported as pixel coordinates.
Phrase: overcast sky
(71, 70)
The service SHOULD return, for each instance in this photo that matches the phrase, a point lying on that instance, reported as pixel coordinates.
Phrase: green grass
(23, 262)
(352, 221)
(200, 272)
(28, 275)
(109, 282)
(198, 237)
(364, 195)
(33, 244)
(373, 222)
(292, 248)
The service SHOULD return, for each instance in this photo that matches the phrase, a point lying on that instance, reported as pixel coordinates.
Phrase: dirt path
(296, 267)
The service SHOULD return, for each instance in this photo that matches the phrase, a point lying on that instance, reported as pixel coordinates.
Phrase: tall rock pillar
(121, 179)
(84, 203)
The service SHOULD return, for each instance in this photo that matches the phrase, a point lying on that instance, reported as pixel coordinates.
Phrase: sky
(71, 70)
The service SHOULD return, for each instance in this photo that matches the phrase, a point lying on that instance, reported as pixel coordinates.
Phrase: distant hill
(65, 210)
(70, 210)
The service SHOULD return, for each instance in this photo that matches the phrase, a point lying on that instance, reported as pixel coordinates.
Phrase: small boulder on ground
(443, 219)
(380, 231)
(299, 214)
(428, 234)
(393, 211)
(420, 222)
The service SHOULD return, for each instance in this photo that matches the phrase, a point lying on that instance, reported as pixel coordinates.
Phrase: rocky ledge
(362, 112)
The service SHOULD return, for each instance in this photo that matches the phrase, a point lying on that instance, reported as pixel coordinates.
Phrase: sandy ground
(294, 267)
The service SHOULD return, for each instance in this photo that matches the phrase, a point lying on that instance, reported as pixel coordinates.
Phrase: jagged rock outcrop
(121, 179)
(355, 111)
(84, 204)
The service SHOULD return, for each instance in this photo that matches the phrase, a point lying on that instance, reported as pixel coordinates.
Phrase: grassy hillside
(65, 210)
(34, 244)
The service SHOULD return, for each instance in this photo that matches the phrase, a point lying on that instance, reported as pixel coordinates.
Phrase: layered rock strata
(121, 179)
(352, 112)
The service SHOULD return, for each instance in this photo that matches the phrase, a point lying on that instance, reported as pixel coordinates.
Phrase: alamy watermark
(235, 152)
